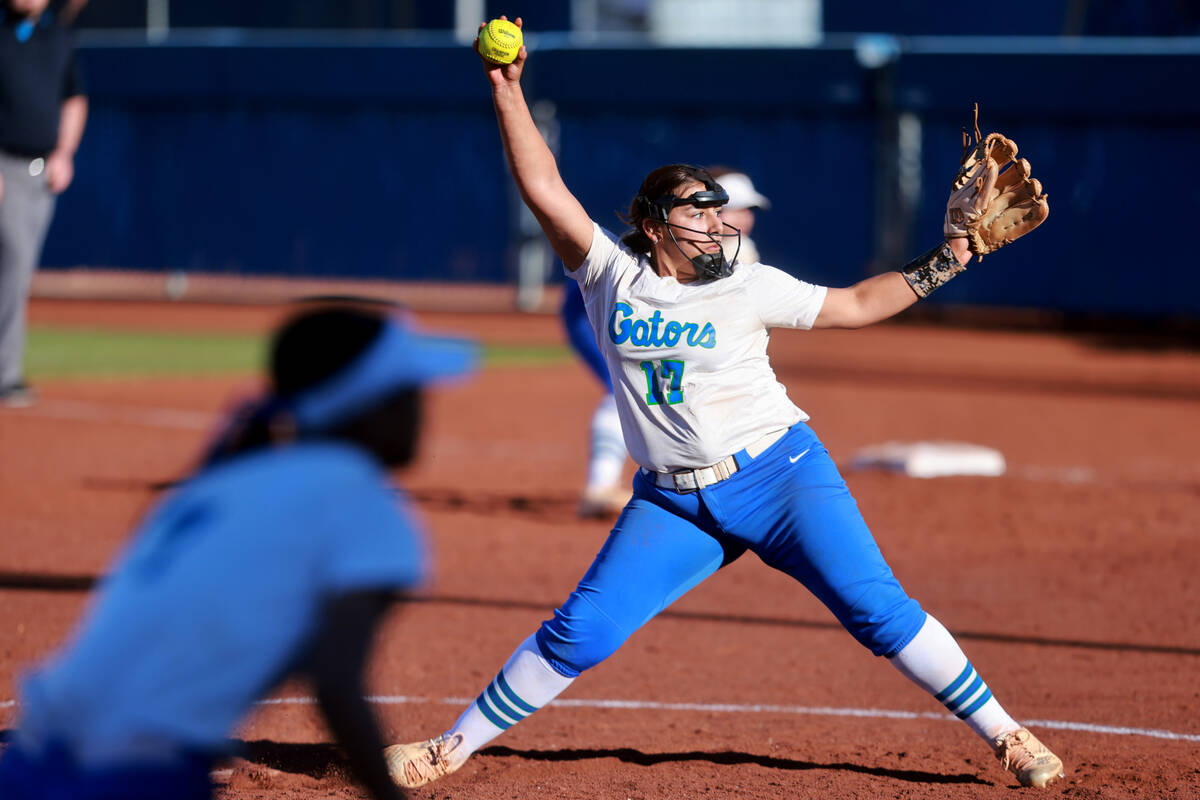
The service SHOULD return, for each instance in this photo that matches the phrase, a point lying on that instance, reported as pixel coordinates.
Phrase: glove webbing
(966, 137)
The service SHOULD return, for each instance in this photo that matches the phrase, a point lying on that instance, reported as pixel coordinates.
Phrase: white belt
(691, 480)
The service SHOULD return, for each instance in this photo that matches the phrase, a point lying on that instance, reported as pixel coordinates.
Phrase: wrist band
(930, 270)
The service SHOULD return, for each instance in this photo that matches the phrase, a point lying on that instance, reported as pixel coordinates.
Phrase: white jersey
(216, 598)
(689, 361)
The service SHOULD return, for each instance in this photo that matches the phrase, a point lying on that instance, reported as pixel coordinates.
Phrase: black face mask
(708, 266)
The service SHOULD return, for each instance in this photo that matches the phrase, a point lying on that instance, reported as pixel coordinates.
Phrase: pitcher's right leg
(652, 557)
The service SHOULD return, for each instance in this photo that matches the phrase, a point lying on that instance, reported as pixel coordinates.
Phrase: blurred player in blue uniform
(280, 555)
(605, 494)
(728, 461)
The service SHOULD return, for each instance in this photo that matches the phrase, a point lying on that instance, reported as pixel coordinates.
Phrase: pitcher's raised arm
(563, 219)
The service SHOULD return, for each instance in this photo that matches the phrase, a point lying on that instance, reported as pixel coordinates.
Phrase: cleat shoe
(604, 503)
(1024, 756)
(419, 763)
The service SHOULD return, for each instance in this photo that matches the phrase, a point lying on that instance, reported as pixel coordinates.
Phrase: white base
(931, 459)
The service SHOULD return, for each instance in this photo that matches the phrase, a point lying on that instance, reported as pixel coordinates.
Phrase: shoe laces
(437, 751)
(1015, 750)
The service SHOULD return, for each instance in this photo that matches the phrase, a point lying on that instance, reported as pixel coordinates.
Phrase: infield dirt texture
(1073, 582)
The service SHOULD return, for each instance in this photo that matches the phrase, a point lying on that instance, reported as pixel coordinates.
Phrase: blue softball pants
(790, 506)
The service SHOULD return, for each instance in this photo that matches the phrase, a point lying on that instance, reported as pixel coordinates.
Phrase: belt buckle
(719, 472)
(695, 481)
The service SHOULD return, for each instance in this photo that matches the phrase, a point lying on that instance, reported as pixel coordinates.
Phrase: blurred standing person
(279, 556)
(605, 494)
(43, 111)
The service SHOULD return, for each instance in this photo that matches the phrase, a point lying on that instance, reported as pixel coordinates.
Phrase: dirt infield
(1072, 581)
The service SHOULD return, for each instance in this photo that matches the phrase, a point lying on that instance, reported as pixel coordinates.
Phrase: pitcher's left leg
(934, 661)
(800, 517)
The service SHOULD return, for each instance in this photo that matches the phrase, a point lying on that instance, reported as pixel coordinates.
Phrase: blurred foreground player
(728, 463)
(278, 557)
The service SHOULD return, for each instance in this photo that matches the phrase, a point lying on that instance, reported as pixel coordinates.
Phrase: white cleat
(1029, 760)
(419, 763)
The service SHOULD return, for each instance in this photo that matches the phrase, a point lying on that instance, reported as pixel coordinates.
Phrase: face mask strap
(659, 209)
(709, 266)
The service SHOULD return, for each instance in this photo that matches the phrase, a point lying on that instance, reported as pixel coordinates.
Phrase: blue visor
(399, 358)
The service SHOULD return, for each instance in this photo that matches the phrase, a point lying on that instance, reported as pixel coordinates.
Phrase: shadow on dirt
(631, 756)
(46, 582)
(475, 501)
(324, 760)
(317, 760)
(546, 506)
(786, 622)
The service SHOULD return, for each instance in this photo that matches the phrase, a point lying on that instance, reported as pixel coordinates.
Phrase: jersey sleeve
(374, 542)
(783, 301)
(605, 253)
(73, 85)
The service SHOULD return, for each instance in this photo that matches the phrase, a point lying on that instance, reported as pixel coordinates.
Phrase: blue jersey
(216, 598)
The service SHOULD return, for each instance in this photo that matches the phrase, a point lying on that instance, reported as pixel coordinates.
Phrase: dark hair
(660, 182)
(313, 345)
(310, 348)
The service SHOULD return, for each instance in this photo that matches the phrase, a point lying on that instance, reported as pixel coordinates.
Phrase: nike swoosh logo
(794, 459)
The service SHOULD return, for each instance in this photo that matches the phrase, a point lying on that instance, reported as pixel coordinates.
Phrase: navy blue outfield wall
(377, 156)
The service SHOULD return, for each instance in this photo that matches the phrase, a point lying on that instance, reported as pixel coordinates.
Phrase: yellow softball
(500, 41)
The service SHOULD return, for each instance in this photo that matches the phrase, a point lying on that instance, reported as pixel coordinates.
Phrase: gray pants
(26, 207)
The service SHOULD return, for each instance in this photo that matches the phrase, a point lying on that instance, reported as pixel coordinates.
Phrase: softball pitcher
(279, 556)
(728, 462)
(605, 495)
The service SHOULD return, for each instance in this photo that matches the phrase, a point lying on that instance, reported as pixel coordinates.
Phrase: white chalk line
(84, 411)
(760, 708)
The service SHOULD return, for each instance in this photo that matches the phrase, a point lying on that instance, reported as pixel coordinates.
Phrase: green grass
(531, 355)
(55, 352)
(64, 352)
